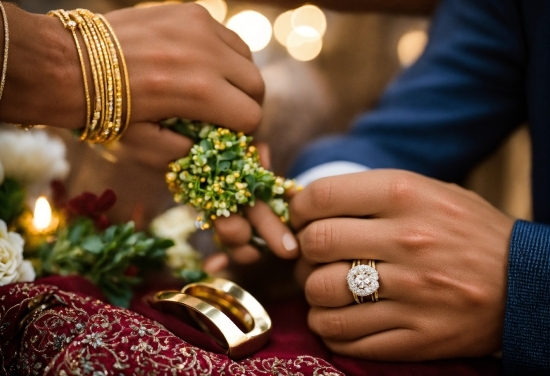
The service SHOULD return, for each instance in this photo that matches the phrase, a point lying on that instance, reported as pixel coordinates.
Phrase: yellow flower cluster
(222, 173)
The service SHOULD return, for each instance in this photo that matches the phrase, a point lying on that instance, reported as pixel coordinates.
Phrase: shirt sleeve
(329, 169)
(526, 347)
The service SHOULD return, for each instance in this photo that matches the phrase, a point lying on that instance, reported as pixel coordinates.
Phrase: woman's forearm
(43, 80)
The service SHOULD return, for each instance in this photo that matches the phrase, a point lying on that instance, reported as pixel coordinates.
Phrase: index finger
(361, 194)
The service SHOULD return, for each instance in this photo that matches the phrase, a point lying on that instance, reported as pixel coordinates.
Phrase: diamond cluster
(363, 280)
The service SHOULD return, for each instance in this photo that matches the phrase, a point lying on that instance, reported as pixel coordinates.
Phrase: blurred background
(321, 69)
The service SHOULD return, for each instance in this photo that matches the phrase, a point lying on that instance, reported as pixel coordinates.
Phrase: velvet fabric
(78, 333)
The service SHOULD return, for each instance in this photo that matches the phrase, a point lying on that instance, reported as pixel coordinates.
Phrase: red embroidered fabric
(73, 331)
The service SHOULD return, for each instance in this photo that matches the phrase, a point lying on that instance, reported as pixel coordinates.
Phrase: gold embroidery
(107, 340)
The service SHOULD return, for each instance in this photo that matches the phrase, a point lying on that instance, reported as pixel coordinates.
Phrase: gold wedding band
(363, 281)
(225, 311)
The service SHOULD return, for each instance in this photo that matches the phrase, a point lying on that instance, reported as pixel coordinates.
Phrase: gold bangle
(102, 66)
(97, 75)
(126, 77)
(225, 311)
(6, 48)
(71, 26)
(104, 123)
(115, 79)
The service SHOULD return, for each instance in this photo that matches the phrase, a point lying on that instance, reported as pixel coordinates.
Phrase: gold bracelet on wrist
(71, 25)
(109, 75)
(126, 78)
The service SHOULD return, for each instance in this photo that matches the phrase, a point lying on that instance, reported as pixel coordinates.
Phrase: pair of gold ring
(363, 281)
(225, 311)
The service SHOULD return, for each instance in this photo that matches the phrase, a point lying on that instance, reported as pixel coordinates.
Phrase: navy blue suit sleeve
(526, 349)
(452, 107)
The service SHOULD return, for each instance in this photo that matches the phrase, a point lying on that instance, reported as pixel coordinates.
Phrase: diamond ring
(363, 281)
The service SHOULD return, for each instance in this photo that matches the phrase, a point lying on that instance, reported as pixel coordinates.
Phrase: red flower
(94, 207)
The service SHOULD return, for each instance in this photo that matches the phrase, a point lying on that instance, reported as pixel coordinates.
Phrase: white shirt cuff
(329, 169)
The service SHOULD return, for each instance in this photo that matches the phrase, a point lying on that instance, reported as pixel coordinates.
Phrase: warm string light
(216, 8)
(253, 28)
(300, 30)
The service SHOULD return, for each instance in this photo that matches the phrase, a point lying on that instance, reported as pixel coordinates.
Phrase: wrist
(43, 80)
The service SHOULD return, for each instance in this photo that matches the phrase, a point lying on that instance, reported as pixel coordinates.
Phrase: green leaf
(227, 156)
(120, 296)
(223, 166)
(192, 275)
(92, 244)
(12, 200)
(251, 181)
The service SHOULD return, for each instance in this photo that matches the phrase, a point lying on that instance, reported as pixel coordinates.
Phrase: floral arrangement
(222, 173)
(115, 257)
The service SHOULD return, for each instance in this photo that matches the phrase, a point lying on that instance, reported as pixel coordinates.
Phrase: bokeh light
(410, 46)
(253, 28)
(216, 8)
(309, 15)
(283, 26)
(304, 43)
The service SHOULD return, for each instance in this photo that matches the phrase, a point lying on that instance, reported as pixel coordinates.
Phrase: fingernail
(289, 243)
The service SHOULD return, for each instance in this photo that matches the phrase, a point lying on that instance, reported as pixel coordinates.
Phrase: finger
(233, 40)
(233, 230)
(327, 285)
(227, 106)
(368, 193)
(356, 321)
(277, 235)
(215, 263)
(329, 240)
(154, 145)
(392, 345)
(263, 152)
(244, 75)
(245, 254)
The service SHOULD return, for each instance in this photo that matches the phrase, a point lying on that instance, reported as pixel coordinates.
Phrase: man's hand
(441, 254)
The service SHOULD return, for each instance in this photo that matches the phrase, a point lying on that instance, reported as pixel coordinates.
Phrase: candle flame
(42, 217)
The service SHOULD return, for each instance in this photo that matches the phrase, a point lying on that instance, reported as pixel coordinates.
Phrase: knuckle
(251, 118)
(200, 87)
(319, 288)
(197, 12)
(317, 241)
(329, 325)
(320, 194)
(402, 187)
(415, 238)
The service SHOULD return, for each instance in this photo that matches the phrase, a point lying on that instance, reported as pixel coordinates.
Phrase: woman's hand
(236, 231)
(441, 254)
(183, 63)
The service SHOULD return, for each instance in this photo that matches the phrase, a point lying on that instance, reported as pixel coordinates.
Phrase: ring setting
(363, 280)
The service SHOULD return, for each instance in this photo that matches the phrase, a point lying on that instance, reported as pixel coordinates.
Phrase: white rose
(12, 266)
(182, 256)
(32, 158)
(177, 223)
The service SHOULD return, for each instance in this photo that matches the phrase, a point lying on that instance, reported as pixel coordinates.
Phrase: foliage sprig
(222, 173)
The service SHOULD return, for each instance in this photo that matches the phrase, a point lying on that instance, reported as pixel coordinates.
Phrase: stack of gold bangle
(104, 123)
